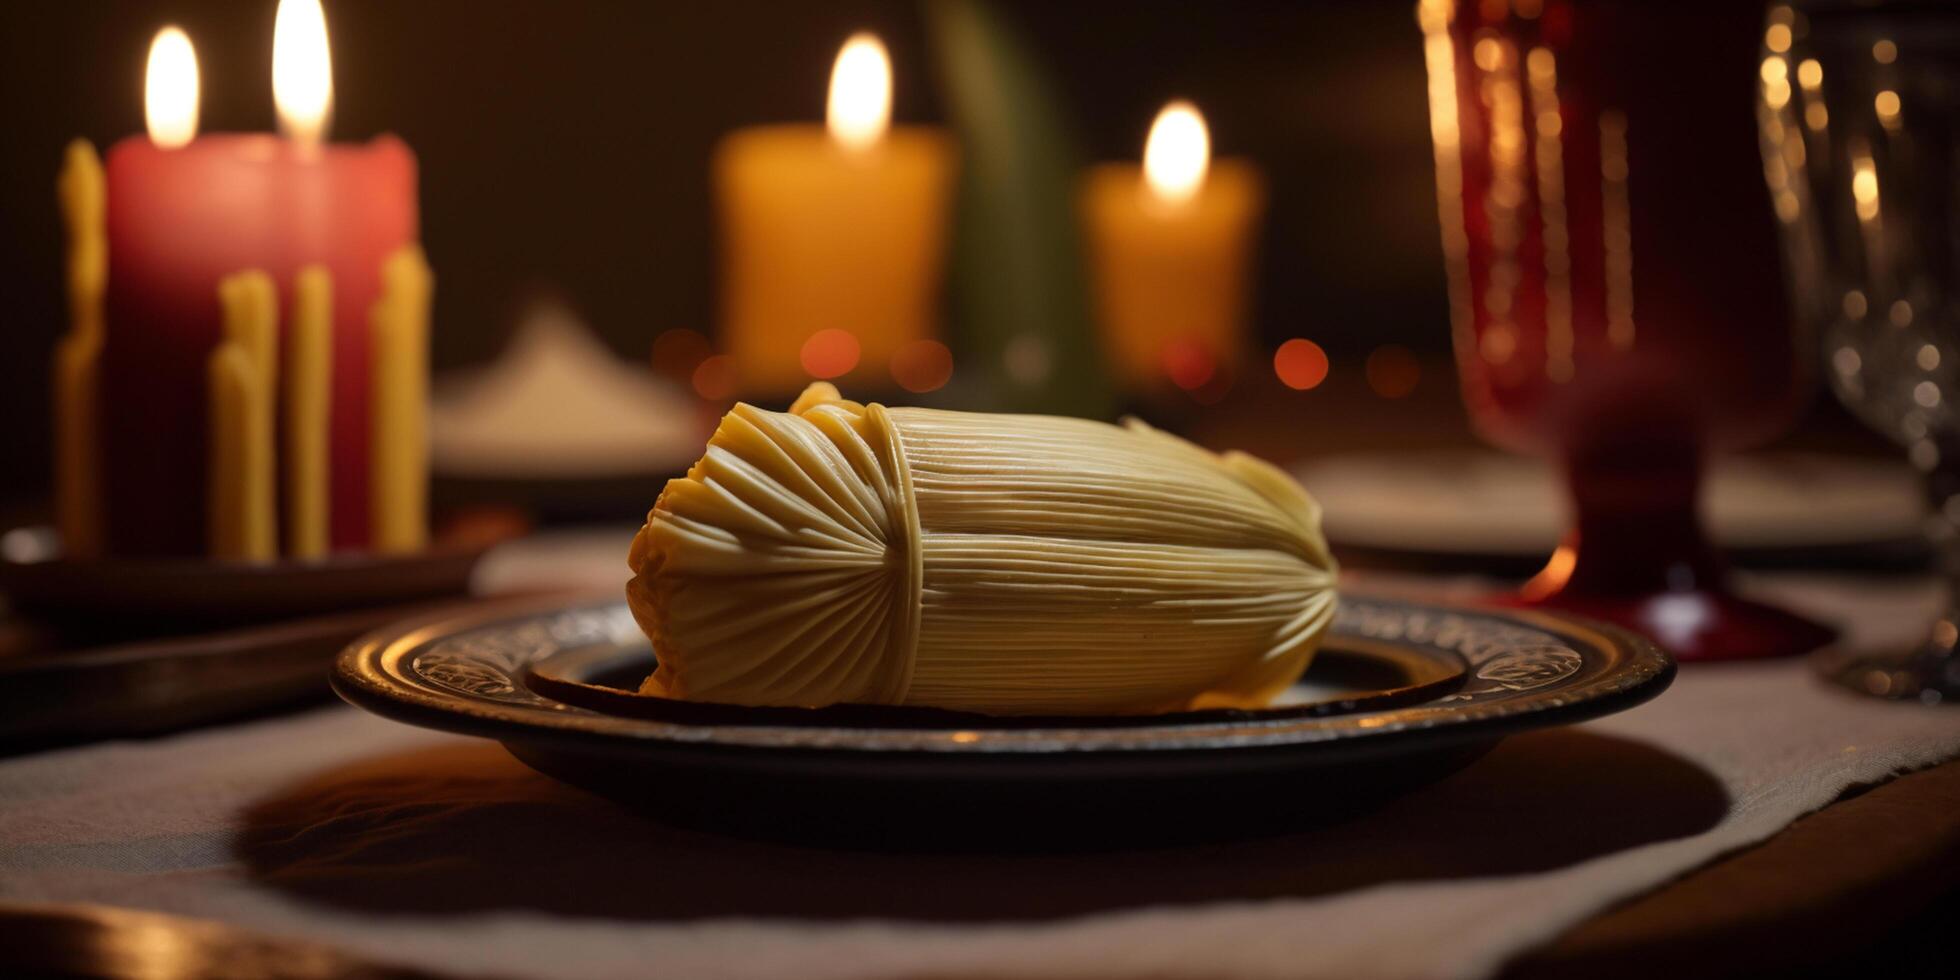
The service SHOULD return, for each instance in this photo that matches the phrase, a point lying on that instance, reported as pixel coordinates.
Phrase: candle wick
(306, 137)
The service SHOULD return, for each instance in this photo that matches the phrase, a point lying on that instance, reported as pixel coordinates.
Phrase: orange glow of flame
(1551, 578)
(170, 89)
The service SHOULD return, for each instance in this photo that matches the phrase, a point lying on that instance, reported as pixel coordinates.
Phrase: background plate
(1493, 510)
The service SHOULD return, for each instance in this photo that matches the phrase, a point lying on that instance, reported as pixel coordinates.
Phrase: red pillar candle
(180, 219)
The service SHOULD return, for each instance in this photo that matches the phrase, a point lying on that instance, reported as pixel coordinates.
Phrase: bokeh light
(1393, 371)
(1300, 364)
(1777, 38)
(922, 366)
(1188, 364)
(677, 352)
(1887, 105)
(830, 353)
(1810, 74)
(714, 378)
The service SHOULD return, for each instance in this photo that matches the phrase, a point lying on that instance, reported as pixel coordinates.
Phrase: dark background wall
(564, 145)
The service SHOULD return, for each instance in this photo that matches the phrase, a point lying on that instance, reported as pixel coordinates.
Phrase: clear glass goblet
(1859, 118)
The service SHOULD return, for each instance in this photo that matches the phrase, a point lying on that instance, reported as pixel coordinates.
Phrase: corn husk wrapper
(1010, 564)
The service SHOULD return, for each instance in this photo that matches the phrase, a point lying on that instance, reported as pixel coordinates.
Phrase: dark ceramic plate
(1401, 694)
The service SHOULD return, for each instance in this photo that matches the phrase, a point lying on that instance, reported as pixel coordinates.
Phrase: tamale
(1009, 564)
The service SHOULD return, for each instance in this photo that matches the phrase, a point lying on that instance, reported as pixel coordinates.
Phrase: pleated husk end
(783, 569)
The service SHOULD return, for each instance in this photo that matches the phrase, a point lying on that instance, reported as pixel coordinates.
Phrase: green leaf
(1020, 302)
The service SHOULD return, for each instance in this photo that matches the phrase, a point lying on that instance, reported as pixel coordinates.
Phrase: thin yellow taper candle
(309, 383)
(241, 512)
(251, 312)
(400, 377)
(244, 513)
(77, 460)
(230, 394)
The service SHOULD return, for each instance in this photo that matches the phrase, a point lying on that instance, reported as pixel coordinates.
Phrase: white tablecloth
(442, 852)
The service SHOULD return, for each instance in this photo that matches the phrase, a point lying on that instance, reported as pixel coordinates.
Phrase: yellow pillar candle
(240, 489)
(77, 460)
(832, 241)
(1170, 248)
(399, 499)
(309, 381)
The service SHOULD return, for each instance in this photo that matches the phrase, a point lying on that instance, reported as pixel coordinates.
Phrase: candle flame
(302, 70)
(1177, 154)
(860, 107)
(170, 89)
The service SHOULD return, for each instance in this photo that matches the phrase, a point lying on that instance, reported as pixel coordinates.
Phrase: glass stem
(1636, 527)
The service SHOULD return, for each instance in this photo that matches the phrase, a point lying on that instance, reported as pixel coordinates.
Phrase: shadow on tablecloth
(466, 828)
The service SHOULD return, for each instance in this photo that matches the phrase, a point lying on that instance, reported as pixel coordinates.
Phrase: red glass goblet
(1615, 286)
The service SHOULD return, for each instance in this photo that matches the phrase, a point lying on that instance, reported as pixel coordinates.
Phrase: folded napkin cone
(1010, 564)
